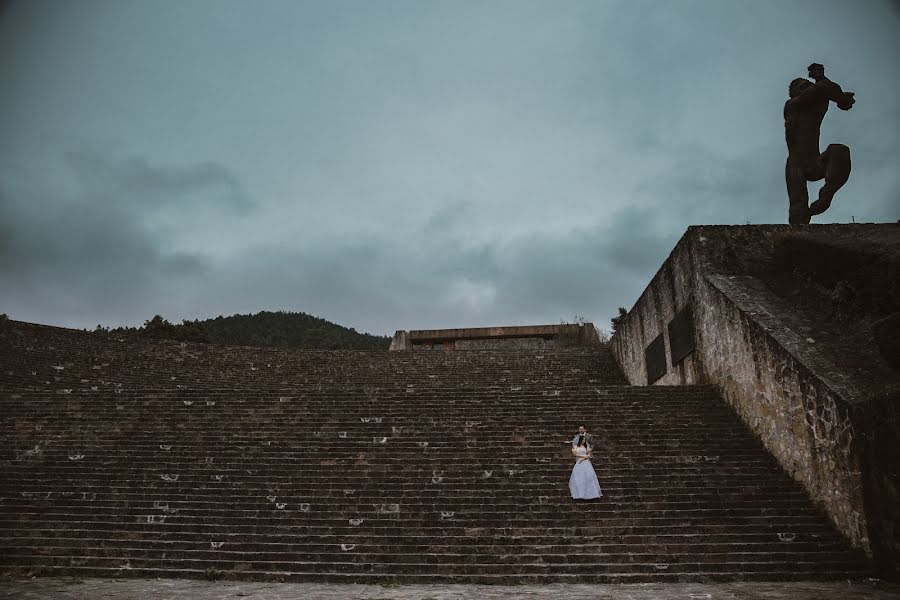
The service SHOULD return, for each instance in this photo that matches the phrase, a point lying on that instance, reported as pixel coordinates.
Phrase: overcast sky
(401, 165)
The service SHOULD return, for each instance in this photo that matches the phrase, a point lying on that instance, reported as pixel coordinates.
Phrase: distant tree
(156, 328)
(160, 329)
(616, 321)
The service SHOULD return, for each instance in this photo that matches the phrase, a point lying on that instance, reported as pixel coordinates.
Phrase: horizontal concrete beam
(488, 332)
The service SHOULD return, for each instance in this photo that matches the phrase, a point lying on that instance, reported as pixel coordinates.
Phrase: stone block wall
(670, 291)
(832, 435)
(523, 343)
(805, 423)
(527, 337)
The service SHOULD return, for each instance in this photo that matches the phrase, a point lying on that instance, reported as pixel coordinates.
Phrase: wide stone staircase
(125, 457)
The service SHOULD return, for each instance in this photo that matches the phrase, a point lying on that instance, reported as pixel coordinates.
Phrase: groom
(588, 438)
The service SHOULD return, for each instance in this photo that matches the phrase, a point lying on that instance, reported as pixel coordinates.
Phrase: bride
(583, 483)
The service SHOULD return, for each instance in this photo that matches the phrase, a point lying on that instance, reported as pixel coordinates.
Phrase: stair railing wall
(807, 416)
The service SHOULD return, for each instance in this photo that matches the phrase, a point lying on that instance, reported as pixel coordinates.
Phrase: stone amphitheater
(134, 458)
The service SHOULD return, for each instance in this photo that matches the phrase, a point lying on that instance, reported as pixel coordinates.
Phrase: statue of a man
(803, 114)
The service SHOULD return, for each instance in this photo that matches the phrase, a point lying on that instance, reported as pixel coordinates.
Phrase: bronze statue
(803, 114)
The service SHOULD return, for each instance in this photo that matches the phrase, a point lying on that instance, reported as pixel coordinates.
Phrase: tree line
(279, 329)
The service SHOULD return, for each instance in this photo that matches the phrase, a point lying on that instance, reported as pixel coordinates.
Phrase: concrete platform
(50, 588)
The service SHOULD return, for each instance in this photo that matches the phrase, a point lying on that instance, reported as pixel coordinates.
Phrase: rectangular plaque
(655, 355)
(681, 334)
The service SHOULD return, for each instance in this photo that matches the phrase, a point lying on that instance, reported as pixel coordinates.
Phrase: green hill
(267, 329)
(289, 330)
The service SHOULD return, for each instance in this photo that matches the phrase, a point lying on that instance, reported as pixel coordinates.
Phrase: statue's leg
(798, 196)
(836, 160)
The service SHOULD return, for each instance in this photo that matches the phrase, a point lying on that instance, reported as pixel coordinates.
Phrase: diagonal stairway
(159, 459)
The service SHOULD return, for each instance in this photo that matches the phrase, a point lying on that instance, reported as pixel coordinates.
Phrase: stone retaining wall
(527, 337)
(830, 434)
(802, 420)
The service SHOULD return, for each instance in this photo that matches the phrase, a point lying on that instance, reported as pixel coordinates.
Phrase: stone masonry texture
(821, 402)
(142, 459)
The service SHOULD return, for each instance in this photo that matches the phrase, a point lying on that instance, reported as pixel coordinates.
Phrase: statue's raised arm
(823, 90)
(803, 115)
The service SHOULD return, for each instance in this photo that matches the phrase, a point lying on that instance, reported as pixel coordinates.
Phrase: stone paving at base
(65, 588)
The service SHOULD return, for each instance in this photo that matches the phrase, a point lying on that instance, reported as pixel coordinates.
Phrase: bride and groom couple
(583, 483)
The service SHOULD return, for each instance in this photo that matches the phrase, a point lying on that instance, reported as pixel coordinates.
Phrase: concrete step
(686, 572)
(137, 458)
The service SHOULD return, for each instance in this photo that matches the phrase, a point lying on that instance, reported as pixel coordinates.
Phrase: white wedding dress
(583, 483)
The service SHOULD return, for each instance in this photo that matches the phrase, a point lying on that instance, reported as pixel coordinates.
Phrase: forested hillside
(289, 330)
(267, 329)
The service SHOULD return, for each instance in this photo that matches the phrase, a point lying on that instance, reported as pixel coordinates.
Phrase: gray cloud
(135, 181)
(432, 279)
(406, 164)
(707, 188)
(93, 248)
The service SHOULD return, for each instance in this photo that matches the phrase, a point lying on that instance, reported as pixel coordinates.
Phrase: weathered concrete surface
(823, 400)
(527, 337)
(668, 292)
(522, 343)
(165, 589)
(803, 420)
(485, 332)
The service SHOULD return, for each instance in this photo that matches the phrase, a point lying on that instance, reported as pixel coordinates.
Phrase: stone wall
(526, 337)
(506, 344)
(808, 402)
(802, 421)
(669, 291)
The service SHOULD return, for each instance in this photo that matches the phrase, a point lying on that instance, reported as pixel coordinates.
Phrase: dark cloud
(411, 164)
(135, 181)
(103, 247)
(426, 280)
(5, 5)
(694, 185)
